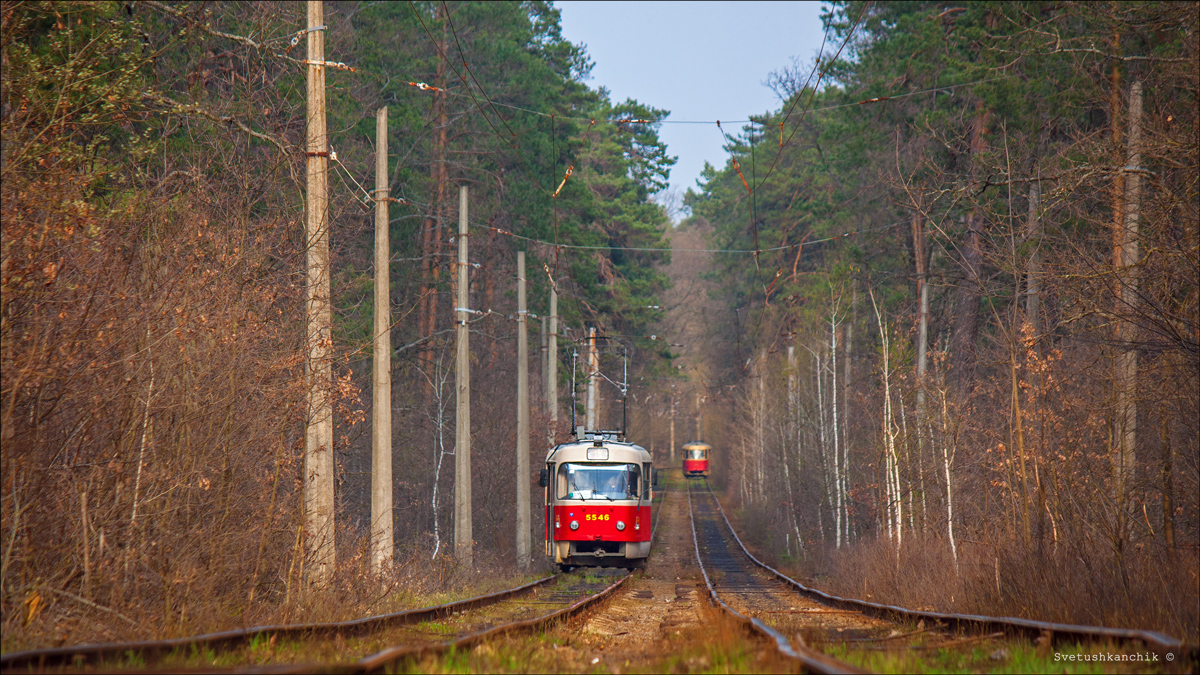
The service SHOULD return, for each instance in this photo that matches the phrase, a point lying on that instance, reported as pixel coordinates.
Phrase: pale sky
(700, 60)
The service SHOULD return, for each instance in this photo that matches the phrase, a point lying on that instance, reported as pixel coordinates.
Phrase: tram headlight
(574, 524)
(620, 526)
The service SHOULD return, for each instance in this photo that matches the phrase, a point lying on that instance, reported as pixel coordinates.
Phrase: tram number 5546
(596, 516)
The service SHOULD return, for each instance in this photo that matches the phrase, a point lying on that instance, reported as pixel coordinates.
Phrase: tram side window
(605, 482)
(559, 481)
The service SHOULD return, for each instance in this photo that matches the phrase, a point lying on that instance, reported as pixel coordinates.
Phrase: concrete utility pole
(552, 370)
(523, 535)
(593, 366)
(542, 363)
(463, 546)
(792, 400)
(381, 374)
(672, 425)
(318, 435)
(544, 366)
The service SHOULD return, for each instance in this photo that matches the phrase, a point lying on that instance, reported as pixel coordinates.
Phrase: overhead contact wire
(753, 216)
(659, 249)
(521, 159)
(467, 66)
(813, 94)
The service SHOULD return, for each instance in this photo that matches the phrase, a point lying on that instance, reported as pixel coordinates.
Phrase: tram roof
(617, 451)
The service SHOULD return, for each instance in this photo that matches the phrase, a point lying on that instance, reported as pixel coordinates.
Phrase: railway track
(375, 641)
(778, 607)
(232, 644)
(573, 593)
(493, 629)
(752, 598)
(820, 632)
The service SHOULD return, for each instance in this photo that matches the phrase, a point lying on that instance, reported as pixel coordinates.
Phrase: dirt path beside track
(642, 624)
(660, 622)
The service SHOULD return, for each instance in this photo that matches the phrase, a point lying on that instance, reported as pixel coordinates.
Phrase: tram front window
(696, 453)
(598, 481)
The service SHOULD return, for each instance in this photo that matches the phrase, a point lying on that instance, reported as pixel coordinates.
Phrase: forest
(964, 359)
(937, 313)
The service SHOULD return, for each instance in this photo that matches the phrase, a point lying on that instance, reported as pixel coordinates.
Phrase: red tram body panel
(600, 523)
(598, 495)
(695, 458)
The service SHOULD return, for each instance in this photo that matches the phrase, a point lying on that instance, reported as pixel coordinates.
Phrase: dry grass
(1068, 582)
(1073, 584)
(414, 581)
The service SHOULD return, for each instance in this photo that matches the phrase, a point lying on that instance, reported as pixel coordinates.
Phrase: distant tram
(695, 459)
(598, 495)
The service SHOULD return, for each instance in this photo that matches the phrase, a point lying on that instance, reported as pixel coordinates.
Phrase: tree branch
(193, 108)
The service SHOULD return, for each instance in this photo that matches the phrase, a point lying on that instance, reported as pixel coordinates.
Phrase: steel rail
(59, 656)
(974, 623)
(80, 654)
(383, 658)
(812, 660)
(393, 654)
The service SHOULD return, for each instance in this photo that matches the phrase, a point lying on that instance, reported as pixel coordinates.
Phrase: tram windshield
(696, 452)
(607, 482)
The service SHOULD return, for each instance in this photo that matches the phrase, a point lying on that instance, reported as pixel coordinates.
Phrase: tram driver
(621, 484)
(610, 482)
(614, 485)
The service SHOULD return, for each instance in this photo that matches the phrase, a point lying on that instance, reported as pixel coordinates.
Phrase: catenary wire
(757, 250)
(449, 62)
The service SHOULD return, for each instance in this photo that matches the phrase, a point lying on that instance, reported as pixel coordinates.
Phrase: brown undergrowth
(1068, 584)
(1065, 582)
(151, 397)
(413, 581)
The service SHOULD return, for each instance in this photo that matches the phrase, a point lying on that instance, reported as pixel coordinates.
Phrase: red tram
(695, 459)
(598, 495)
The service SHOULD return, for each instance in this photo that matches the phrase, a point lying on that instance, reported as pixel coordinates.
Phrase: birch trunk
(437, 388)
(760, 416)
(1125, 261)
(847, 342)
(833, 346)
(896, 505)
(829, 485)
(792, 437)
(947, 458)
